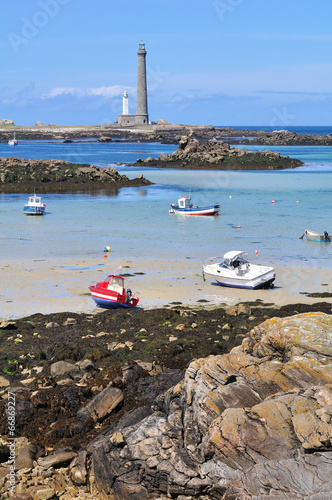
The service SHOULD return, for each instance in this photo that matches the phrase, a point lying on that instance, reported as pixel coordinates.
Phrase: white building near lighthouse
(125, 107)
(125, 118)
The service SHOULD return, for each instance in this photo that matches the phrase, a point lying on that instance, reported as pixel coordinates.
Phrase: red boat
(111, 293)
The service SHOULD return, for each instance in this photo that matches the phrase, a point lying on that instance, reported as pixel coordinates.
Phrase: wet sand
(61, 285)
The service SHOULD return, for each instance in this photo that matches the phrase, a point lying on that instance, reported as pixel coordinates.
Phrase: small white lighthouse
(125, 104)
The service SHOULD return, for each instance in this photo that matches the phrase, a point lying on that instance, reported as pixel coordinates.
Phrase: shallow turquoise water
(136, 221)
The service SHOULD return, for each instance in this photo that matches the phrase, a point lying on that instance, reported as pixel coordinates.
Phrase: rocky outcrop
(287, 138)
(256, 421)
(253, 422)
(19, 175)
(162, 131)
(4, 121)
(216, 154)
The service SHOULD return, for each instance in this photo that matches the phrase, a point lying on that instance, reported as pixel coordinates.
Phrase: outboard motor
(326, 235)
(129, 295)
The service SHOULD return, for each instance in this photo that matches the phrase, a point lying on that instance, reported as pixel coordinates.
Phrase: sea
(264, 213)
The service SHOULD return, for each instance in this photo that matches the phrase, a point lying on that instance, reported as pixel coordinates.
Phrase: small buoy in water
(230, 197)
(19, 238)
(105, 255)
(256, 252)
(171, 211)
(107, 249)
(297, 202)
(238, 227)
(273, 201)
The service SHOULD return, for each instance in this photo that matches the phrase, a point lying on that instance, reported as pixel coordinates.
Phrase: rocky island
(218, 155)
(162, 131)
(134, 405)
(19, 175)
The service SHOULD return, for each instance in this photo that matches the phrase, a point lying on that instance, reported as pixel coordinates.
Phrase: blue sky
(220, 62)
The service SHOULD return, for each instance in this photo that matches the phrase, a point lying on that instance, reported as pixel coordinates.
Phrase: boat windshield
(235, 262)
(226, 263)
(115, 284)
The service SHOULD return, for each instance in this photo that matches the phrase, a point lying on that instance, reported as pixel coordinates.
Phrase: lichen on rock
(233, 418)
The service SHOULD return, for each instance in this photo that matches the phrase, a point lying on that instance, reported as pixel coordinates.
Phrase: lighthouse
(142, 94)
(125, 103)
(141, 116)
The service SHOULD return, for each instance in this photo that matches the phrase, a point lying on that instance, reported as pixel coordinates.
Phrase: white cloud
(113, 91)
(108, 92)
(57, 91)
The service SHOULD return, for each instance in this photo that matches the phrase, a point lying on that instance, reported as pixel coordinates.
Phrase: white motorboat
(35, 206)
(320, 238)
(12, 142)
(236, 271)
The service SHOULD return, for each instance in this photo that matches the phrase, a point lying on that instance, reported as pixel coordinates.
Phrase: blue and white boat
(35, 206)
(236, 271)
(185, 207)
(12, 142)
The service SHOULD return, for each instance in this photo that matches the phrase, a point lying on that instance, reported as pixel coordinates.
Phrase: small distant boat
(111, 293)
(185, 207)
(236, 271)
(320, 238)
(35, 206)
(12, 142)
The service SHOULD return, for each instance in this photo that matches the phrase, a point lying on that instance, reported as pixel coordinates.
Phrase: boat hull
(211, 210)
(262, 278)
(108, 300)
(34, 211)
(106, 303)
(317, 237)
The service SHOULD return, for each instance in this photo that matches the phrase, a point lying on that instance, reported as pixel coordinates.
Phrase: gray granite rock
(57, 459)
(102, 404)
(239, 425)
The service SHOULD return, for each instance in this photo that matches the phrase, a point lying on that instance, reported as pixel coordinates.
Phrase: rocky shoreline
(161, 132)
(218, 155)
(169, 403)
(19, 175)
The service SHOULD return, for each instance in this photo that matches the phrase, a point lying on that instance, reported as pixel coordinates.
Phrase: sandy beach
(59, 285)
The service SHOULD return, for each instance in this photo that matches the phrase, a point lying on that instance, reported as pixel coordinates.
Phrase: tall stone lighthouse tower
(142, 95)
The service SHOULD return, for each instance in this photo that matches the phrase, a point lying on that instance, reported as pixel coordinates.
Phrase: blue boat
(35, 206)
(185, 207)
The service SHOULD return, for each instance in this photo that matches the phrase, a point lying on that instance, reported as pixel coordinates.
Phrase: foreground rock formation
(19, 175)
(215, 154)
(252, 423)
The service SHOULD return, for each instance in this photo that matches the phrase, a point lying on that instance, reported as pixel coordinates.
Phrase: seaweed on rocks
(126, 349)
